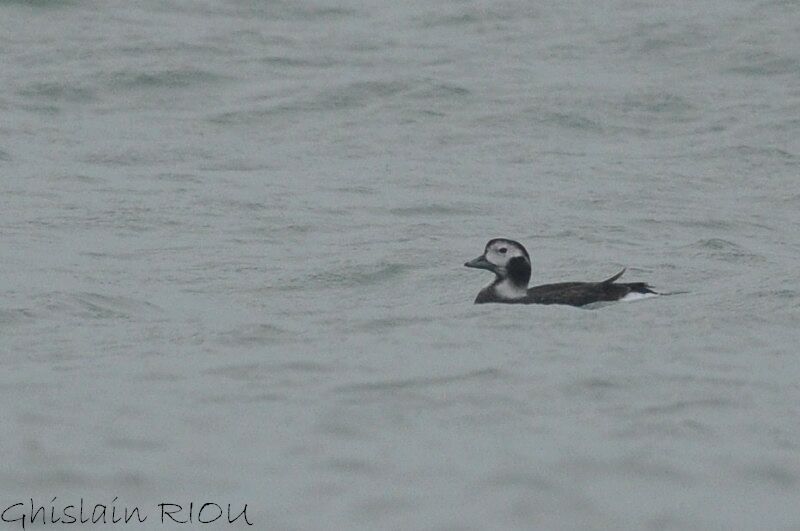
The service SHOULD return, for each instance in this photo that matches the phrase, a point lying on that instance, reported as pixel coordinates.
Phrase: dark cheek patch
(518, 269)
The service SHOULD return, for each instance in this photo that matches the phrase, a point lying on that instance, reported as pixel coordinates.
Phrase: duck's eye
(502, 250)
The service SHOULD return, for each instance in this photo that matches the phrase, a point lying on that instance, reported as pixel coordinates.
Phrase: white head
(508, 260)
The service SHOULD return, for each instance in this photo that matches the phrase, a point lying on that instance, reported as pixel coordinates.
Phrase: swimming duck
(511, 264)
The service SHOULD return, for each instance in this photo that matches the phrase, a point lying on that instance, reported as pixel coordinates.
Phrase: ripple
(255, 372)
(777, 474)
(243, 398)
(766, 64)
(761, 151)
(362, 276)
(717, 244)
(598, 387)
(440, 90)
(288, 11)
(679, 406)
(667, 428)
(384, 324)
(518, 478)
(459, 19)
(354, 95)
(659, 103)
(55, 4)
(297, 62)
(351, 466)
(173, 78)
(420, 383)
(724, 250)
(55, 91)
(255, 334)
(351, 96)
(15, 316)
(99, 306)
(432, 210)
(134, 444)
(571, 121)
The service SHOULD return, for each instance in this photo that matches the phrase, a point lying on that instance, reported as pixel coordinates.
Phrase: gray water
(232, 245)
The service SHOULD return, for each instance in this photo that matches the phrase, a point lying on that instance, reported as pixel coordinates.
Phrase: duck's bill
(480, 263)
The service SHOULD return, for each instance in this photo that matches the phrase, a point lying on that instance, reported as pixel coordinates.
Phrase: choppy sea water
(232, 245)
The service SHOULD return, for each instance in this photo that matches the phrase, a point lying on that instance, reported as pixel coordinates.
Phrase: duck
(511, 264)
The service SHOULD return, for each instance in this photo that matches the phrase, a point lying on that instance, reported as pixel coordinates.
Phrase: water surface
(233, 235)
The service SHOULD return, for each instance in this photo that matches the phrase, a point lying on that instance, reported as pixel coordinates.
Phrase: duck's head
(507, 259)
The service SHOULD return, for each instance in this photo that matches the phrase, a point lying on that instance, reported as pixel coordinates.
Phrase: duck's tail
(637, 287)
(640, 287)
(615, 277)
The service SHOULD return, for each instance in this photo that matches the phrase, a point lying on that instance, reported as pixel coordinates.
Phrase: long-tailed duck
(511, 264)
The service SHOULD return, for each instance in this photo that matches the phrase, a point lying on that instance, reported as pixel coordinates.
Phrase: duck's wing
(578, 293)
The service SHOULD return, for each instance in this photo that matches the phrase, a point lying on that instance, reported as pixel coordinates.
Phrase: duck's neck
(505, 289)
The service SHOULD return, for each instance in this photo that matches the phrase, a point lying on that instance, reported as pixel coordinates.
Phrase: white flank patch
(635, 296)
(630, 297)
